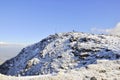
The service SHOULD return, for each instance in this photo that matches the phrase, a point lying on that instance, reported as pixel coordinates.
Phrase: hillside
(68, 53)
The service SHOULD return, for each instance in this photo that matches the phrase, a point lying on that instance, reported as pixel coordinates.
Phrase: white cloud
(113, 31)
(96, 30)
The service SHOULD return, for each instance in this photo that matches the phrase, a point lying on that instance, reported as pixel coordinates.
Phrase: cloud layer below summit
(9, 50)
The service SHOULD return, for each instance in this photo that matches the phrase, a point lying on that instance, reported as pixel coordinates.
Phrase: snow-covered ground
(103, 70)
(68, 56)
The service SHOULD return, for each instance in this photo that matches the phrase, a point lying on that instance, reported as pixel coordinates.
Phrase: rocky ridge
(63, 52)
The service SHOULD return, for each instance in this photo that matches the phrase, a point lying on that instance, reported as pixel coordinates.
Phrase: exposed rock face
(63, 51)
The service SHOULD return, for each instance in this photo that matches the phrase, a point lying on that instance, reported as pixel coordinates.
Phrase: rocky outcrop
(63, 52)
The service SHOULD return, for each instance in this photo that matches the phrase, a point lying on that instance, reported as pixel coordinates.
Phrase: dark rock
(93, 78)
(72, 39)
(102, 71)
(59, 57)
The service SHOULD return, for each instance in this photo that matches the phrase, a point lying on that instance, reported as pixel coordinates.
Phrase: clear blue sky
(28, 21)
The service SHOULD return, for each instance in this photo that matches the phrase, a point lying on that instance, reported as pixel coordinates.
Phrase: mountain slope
(63, 52)
(103, 70)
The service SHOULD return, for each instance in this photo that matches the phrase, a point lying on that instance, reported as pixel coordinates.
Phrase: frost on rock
(63, 52)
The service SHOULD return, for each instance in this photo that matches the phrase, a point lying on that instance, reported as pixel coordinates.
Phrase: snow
(104, 70)
(80, 53)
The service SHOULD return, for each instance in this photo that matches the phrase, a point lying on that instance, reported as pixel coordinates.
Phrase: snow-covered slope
(63, 52)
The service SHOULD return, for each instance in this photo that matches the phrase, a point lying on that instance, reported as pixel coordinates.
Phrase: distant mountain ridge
(62, 52)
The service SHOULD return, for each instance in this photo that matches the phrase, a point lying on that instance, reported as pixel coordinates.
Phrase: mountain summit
(63, 52)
